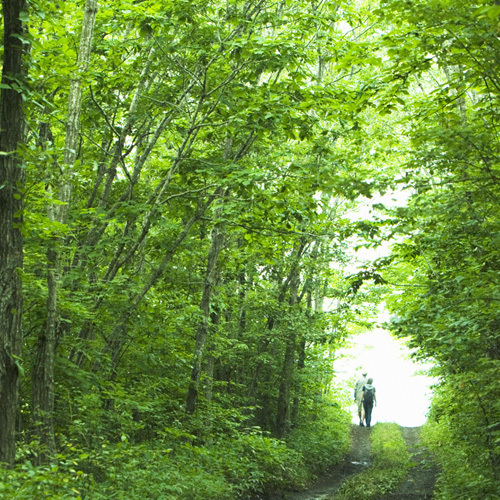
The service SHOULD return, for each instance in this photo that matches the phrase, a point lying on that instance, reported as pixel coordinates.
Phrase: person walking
(358, 391)
(369, 400)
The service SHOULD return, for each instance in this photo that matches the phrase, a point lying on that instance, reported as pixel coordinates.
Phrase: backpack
(368, 397)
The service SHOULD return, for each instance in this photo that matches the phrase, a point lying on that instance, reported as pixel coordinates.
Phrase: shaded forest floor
(418, 485)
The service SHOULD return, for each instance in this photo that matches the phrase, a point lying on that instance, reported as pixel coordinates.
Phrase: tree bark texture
(12, 179)
(43, 371)
(75, 108)
(211, 278)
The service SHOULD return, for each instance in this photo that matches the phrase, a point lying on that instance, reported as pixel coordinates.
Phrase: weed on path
(418, 485)
(357, 460)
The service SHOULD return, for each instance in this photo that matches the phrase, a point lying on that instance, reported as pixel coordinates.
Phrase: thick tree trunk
(43, 371)
(12, 179)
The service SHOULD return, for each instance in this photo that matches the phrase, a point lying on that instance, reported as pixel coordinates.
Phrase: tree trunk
(301, 363)
(12, 180)
(210, 358)
(211, 278)
(260, 379)
(43, 371)
(283, 408)
(115, 341)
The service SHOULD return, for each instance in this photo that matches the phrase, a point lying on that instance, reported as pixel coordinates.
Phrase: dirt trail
(418, 485)
(354, 462)
(421, 479)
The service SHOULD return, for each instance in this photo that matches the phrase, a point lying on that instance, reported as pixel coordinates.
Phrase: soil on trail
(354, 462)
(418, 485)
(421, 479)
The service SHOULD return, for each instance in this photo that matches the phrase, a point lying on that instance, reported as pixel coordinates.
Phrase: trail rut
(418, 485)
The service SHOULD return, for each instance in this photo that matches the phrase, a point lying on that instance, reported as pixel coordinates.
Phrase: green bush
(227, 468)
(56, 482)
(141, 472)
(323, 437)
(256, 463)
(230, 463)
(463, 434)
(223, 470)
(466, 471)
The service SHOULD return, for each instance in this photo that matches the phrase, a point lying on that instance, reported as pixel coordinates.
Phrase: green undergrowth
(224, 469)
(463, 435)
(323, 438)
(179, 466)
(390, 465)
(465, 462)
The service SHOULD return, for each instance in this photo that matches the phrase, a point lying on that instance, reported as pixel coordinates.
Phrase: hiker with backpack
(358, 391)
(368, 399)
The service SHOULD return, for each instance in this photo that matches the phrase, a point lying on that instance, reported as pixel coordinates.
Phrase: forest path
(418, 485)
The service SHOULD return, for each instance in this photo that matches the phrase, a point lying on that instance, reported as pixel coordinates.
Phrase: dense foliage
(186, 180)
(173, 467)
(447, 263)
(182, 183)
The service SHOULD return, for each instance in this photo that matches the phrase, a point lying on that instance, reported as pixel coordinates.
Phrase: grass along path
(377, 463)
(378, 467)
(389, 466)
(421, 480)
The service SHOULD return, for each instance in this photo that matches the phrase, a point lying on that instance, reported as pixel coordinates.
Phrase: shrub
(465, 470)
(56, 482)
(323, 437)
(232, 463)
(225, 469)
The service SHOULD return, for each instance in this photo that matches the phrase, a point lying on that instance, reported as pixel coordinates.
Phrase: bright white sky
(403, 390)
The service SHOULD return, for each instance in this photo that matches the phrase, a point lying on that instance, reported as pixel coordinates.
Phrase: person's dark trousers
(368, 414)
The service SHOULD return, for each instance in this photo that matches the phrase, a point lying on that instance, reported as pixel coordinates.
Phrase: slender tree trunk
(287, 371)
(301, 363)
(210, 361)
(301, 357)
(43, 371)
(202, 333)
(258, 378)
(211, 278)
(114, 344)
(12, 180)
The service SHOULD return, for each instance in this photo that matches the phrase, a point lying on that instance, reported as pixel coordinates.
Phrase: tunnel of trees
(176, 179)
